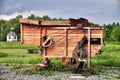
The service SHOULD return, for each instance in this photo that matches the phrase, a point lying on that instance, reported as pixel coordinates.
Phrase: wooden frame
(70, 32)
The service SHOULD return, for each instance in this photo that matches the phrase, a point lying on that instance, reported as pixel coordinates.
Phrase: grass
(110, 56)
(15, 53)
(18, 56)
(16, 45)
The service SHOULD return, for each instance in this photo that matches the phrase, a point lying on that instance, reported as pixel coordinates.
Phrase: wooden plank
(55, 32)
(36, 35)
(56, 56)
(35, 22)
(31, 28)
(58, 53)
(75, 31)
(31, 40)
(52, 23)
(31, 34)
(96, 31)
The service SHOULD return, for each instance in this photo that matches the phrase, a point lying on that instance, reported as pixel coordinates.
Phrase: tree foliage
(115, 34)
(111, 31)
(5, 26)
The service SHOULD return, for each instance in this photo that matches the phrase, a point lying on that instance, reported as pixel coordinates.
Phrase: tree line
(5, 26)
(111, 31)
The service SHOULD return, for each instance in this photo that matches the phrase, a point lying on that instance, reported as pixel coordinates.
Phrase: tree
(115, 35)
(108, 31)
(32, 16)
(2, 24)
(93, 24)
(14, 22)
(118, 24)
(19, 16)
(46, 17)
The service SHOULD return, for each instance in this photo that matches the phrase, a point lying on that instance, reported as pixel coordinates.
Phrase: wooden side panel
(74, 36)
(57, 48)
(95, 33)
(31, 35)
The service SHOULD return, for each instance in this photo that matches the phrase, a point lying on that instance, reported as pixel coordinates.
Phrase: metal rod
(89, 51)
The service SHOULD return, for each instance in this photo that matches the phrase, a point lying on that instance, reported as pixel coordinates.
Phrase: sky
(96, 11)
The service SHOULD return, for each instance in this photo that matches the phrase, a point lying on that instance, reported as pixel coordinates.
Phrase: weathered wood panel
(74, 36)
(57, 48)
(65, 36)
(35, 22)
(52, 23)
(31, 35)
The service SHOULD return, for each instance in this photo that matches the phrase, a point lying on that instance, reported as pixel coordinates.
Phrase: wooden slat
(52, 23)
(21, 20)
(58, 41)
(31, 35)
(96, 31)
(32, 32)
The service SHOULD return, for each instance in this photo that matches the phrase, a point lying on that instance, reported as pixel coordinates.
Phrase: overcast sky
(97, 11)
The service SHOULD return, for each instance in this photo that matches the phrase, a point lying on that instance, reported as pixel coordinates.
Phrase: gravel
(16, 74)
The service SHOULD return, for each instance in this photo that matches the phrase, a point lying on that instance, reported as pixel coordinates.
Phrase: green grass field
(15, 53)
(18, 56)
(110, 56)
(15, 45)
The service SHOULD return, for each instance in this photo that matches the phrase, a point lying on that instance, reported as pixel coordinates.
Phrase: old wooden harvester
(73, 40)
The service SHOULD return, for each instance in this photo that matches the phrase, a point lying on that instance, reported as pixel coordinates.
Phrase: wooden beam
(55, 23)
(63, 27)
(89, 51)
(34, 22)
(66, 43)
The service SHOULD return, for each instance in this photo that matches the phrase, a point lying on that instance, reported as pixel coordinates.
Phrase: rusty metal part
(79, 51)
(45, 64)
(41, 66)
(72, 63)
(81, 22)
